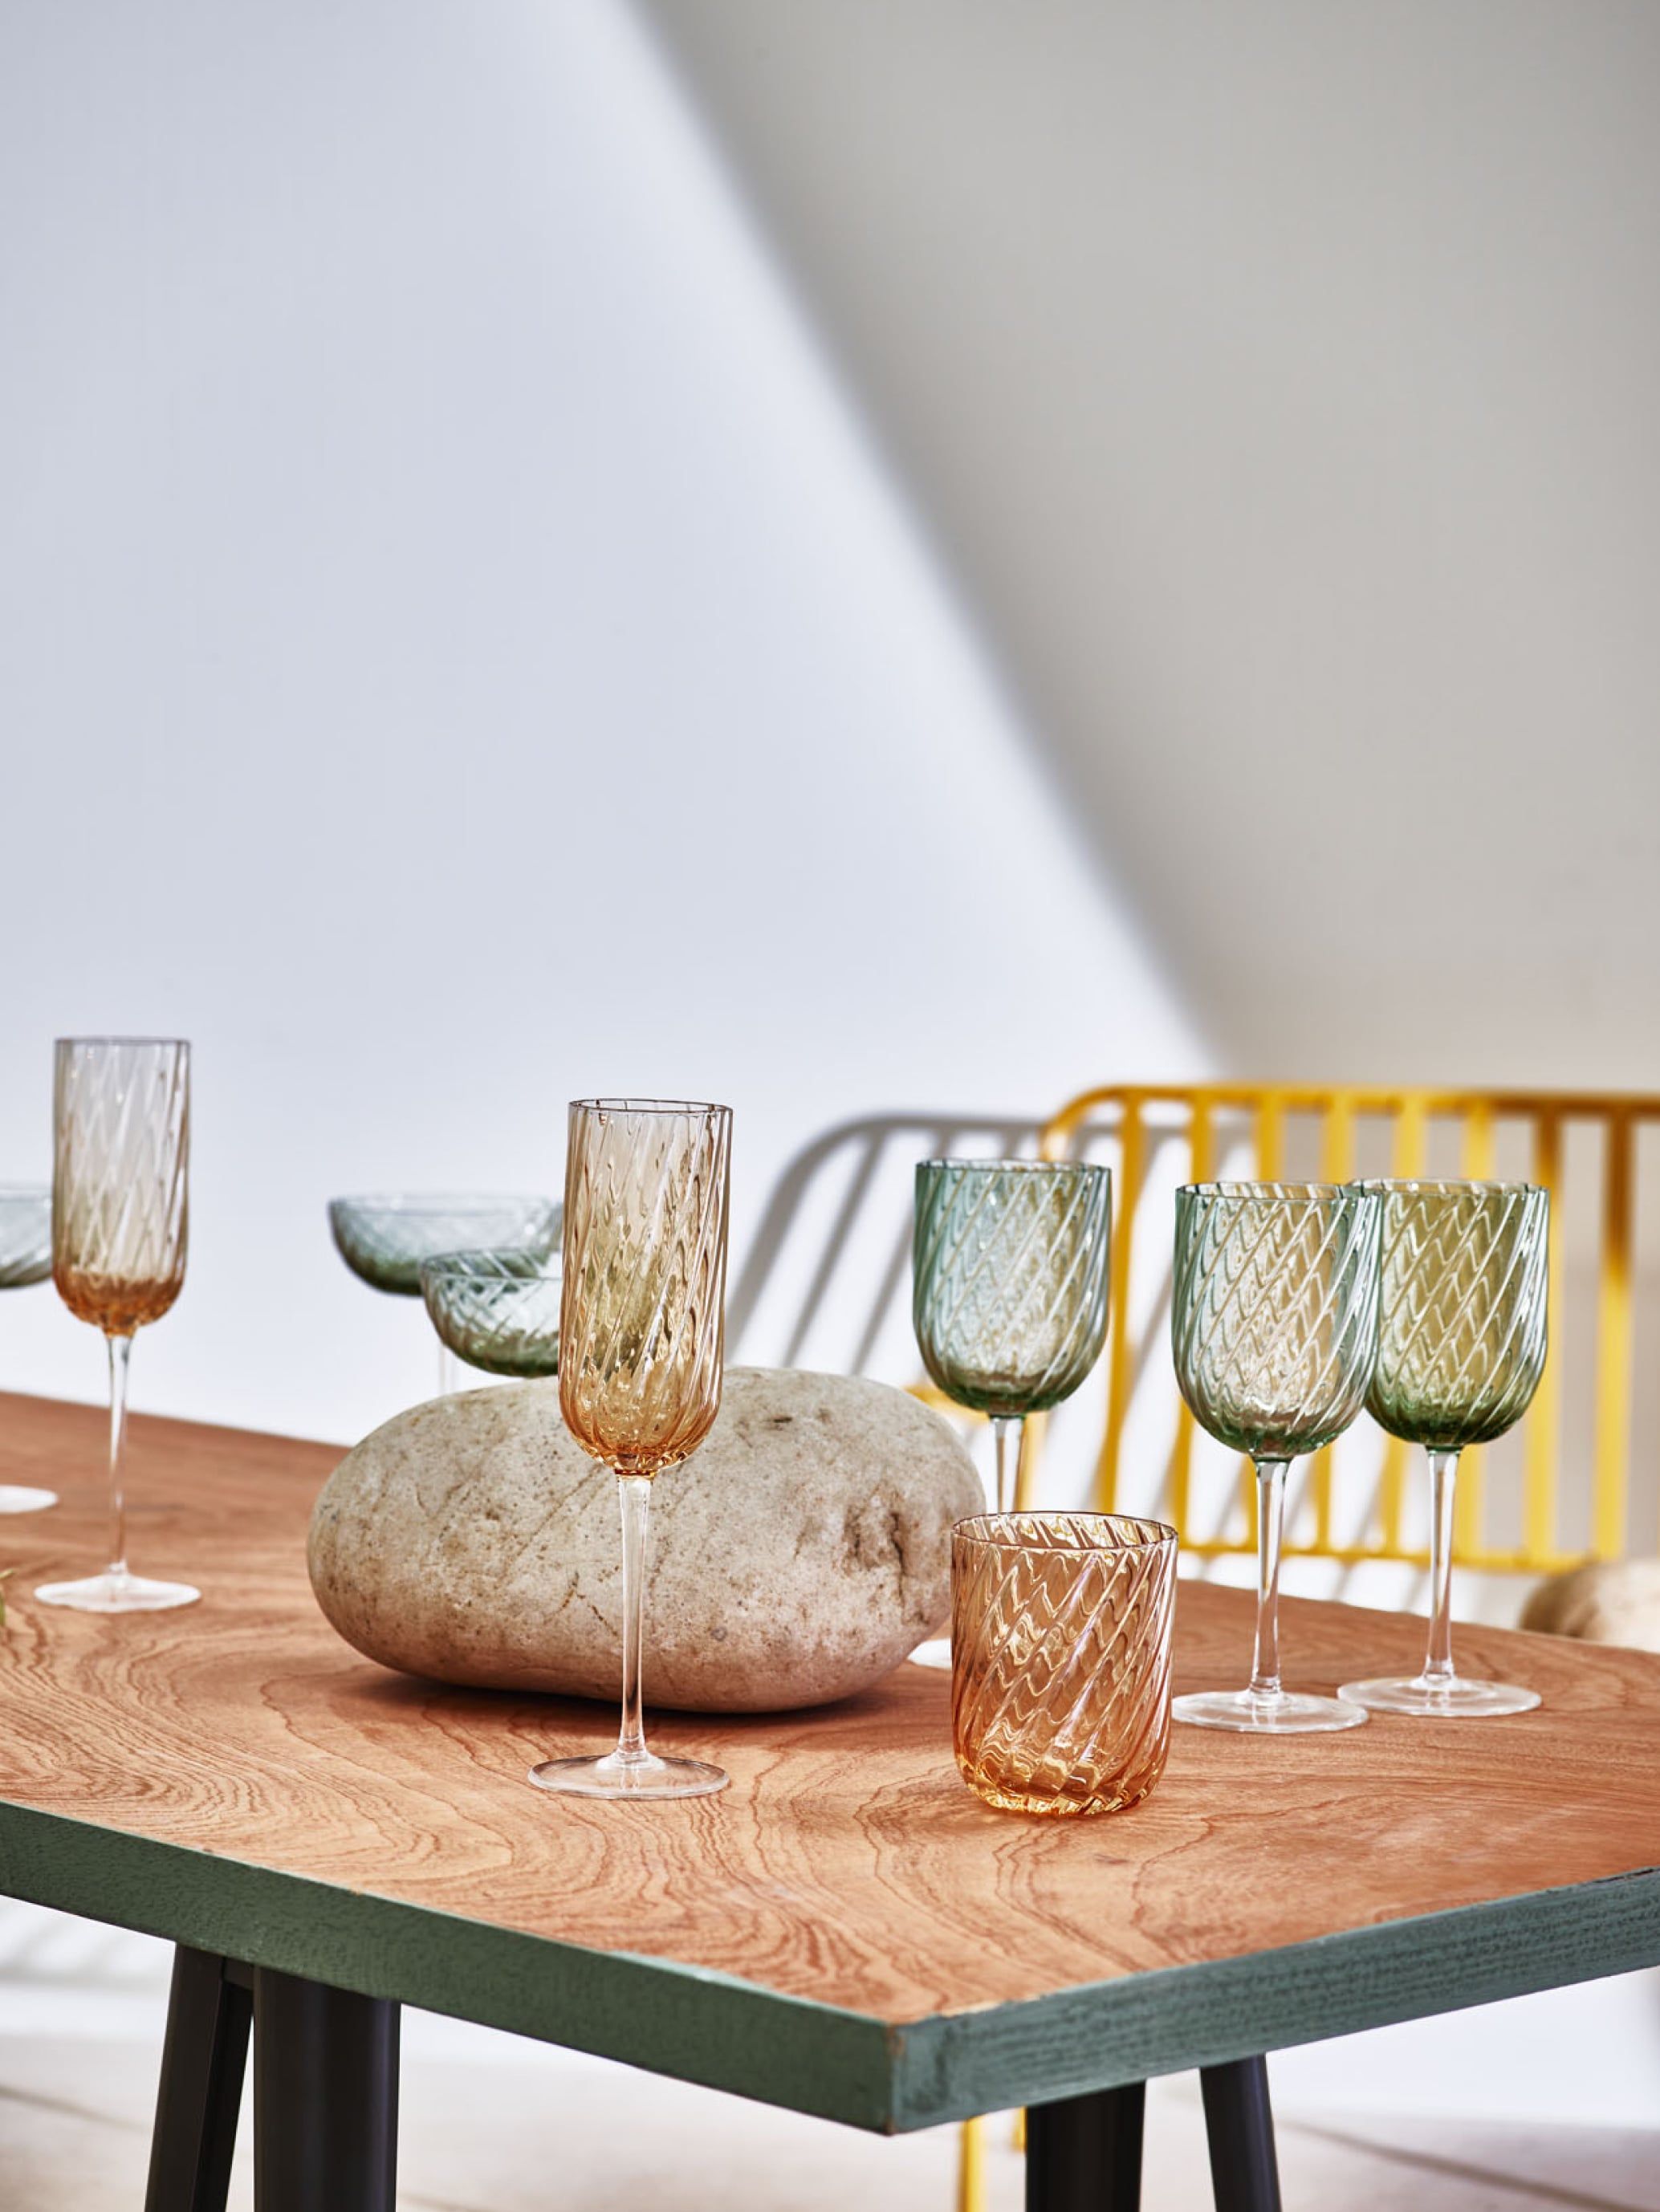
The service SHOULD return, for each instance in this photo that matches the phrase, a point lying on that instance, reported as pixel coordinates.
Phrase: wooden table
(845, 1931)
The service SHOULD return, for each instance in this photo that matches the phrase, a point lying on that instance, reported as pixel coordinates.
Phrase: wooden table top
(846, 1929)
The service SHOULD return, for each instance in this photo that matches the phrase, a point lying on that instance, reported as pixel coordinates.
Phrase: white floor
(491, 2123)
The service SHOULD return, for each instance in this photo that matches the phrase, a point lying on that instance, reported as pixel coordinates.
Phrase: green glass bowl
(498, 1311)
(25, 1235)
(383, 1240)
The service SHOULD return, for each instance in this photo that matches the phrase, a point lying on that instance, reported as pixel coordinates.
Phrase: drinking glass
(641, 1337)
(120, 1227)
(1462, 1347)
(1274, 1323)
(1061, 1659)
(25, 1258)
(1009, 1292)
(496, 1311)
(384, 1240)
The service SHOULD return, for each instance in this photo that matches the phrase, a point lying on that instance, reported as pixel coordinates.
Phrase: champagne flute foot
(935, 1653)
(118, 1592)
(1446, 1698)
(641, 1775)
(1258, 1712)
(22, 1498)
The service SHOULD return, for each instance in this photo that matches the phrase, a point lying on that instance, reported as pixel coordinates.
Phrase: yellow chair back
(1263, 1132)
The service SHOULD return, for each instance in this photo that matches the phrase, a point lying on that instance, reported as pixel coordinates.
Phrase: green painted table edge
(726, 2033)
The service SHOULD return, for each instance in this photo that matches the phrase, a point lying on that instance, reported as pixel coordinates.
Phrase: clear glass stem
(1007, 1431)
(1444, 1474)
(447, 1376)
(633, 1498)
(120, 1352)
(1270, 1519)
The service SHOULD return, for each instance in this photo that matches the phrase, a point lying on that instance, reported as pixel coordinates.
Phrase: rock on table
(796, 1558)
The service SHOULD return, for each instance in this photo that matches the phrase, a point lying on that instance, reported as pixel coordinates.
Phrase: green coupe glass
(1465, 1272)
(496, 1311)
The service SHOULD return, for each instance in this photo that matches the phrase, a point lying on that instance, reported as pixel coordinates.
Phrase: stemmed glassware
(496, 1311)
(119, 1228)
(1465, 1272)
(1274, 1319)
(385, 1239)
(641, 1330)
(1009, 1287)
(25, 1258)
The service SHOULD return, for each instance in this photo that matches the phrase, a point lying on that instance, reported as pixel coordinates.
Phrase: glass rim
(151, 1043)
(442, 1264)
(1022, 1167)
(997, 1531)
(1289, 1192)
(663, 1106)
(1447, 1187)
(406, 1201)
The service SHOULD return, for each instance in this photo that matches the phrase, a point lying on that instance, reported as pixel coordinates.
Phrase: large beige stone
(796, 1558)
(1609, 1601)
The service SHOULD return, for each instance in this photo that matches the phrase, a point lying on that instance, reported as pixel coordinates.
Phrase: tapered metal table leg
(324, 2096)
(1239, 2122)
(1084, 2154)
(203, 2060)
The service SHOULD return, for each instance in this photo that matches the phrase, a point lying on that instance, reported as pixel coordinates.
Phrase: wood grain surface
(847, 1866)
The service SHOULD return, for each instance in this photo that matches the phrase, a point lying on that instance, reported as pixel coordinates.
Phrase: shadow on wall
(1277, 383)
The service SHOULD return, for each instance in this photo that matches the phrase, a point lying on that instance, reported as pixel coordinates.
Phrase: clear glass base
(1448, 1700)
(644, 1775)
(1255, 1712)
(936, 1653)
(19, 1498)
(118, 1592)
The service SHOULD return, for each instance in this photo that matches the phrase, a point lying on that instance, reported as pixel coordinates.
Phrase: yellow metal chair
(1261, 1132)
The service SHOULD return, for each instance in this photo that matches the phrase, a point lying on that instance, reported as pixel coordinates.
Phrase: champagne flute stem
(1438, 1661)
(633, 1498)
(447, 1376)
(120, 1352)
(1270, 1518)
(1006, 1429)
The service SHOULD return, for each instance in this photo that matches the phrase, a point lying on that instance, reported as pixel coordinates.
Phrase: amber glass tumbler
(1061, 1658)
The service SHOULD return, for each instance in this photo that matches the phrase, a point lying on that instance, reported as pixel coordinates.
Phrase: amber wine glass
(642, 1346)
(1465, 1271)
(120, 1224)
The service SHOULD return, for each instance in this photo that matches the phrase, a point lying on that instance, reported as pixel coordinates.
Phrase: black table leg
(202, 2062)
(1084, 2154)
(1239, 2122)
(324, 2096)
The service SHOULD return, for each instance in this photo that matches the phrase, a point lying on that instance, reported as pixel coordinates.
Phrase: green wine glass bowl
(25, 1235)
(384, 1239)
(497, 1311)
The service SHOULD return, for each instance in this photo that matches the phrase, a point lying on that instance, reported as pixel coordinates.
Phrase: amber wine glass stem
(1270, 1523)
(1444, 1474)
(633, 1499)
(121, 1351)
(1006, 1429)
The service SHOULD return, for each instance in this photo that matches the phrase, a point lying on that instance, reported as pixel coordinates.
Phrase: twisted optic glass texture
(497, 1311)
(1061, 1659)
(25, 1258)
(1010, 1279)
(119, 1234)
(642, 1321)
(1274, 1312)
(25, 1235)
(384, 1239)
(1463, 1339)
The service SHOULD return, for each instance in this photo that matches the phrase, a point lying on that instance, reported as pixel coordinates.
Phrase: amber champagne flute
(1466, 1266)
(119, 1226)
(641, 1351)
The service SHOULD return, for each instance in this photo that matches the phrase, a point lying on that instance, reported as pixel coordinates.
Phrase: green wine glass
(1273, 1324)
(1465, 1273)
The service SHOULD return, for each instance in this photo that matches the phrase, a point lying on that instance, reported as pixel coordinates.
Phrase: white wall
(462, 651)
